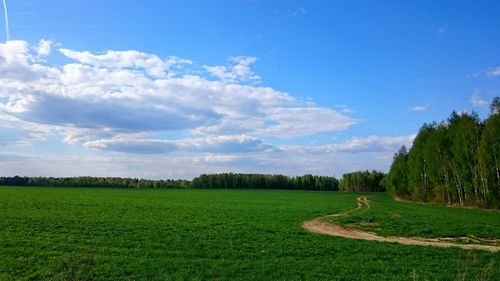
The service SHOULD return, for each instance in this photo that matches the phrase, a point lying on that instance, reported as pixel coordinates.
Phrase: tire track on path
(363, 204)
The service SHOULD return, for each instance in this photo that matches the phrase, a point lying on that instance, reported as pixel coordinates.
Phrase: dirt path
(363, 204)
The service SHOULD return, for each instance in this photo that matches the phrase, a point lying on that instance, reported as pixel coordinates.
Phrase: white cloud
(15, 62)
(128, 102)
(494, 72)
(355, 145)
(112, 94)
(491, 72)
(138, 144)
(115, 165)
(240, 71)
(372, 143)
(344, 108)
(298, 121)
(359, 153)
(153, 65)
(476, 100)
(419, 108)
(224, 144)
(44, 48)
(132, 145)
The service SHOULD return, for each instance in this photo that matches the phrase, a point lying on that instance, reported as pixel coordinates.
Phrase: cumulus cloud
(220, 144)
(298, 121)
(126, 92)
(241, 70)
(132, 145)
(152, 64)
(119, 102)
(43, 48)
(224, 144)
(15, 63)
(476, 100)
(419, 108)
(372, 144)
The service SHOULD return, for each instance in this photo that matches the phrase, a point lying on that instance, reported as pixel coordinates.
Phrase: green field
(392, 218)
(131, 234)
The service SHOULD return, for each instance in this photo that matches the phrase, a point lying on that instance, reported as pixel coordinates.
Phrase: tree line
(93, 182)
(363, 181)
(456, 161)
(352, 182)
(230, 180)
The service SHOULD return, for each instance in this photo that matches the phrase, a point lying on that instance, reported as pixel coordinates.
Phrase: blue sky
(162, 89)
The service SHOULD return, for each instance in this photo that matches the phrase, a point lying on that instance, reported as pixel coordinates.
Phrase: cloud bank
(134, 103)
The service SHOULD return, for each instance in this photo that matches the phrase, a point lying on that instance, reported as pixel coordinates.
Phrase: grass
(392, 218)
(116, 234)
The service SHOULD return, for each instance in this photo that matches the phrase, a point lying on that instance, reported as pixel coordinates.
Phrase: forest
(454, 162)
(363, 181)
(353, 182)
(230, 180)
(114, 182)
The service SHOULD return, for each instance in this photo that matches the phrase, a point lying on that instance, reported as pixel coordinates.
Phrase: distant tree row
(363, 181)
(352, 182)
(454, 162)
(93, 182)
(230, 180)
(226, 180)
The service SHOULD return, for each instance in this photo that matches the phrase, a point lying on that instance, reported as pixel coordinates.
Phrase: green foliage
(363, 181)
(489, 161)
(225, 180)
(397, 180)
(255, 181)
(455, 162)
(418, 178)
(93, 182)
(465, 133)
(495, 106)
(193, 234)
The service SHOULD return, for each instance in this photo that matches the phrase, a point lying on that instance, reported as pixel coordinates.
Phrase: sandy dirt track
(362, 203)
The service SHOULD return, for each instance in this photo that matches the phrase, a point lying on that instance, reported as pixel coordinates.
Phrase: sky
(174, 89)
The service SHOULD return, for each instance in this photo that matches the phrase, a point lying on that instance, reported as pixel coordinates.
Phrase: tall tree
(495, 106)
(489, 157)
(454, 162)
(418, 170)
(465, 132)
(397, 178)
